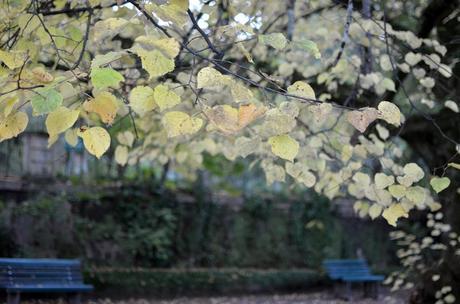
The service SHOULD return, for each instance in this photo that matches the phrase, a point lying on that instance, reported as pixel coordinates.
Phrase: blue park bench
(353, 271)
(41, 275)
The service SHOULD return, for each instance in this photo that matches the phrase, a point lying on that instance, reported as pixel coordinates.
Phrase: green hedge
(168, 282)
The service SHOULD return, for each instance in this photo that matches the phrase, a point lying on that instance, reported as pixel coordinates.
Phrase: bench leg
(348, 291)
(368, 289)
(75, 298)
(375, 294)
(13, 298)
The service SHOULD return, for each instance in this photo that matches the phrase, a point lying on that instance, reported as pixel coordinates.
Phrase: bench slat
(49, 287)
(8, 261)
(352, 270)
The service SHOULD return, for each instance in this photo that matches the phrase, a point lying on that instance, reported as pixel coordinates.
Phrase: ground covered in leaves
(310, 298)
(324, 297)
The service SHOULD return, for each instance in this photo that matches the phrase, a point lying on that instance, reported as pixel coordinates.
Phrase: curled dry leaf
(362, 118)
(230, 120)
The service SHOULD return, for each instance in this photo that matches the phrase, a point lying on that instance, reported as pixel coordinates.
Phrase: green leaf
(275, 40)
(105, 77)
(45, 100)
(308, 46)
(439, 183)
(106, 58)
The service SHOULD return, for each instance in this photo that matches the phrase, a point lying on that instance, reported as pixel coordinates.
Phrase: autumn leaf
(179, 123)
(302, 89)
(393, 213)
(141, 99)
(121, 155)
(390, 113)
(165, 98)
(275, 40)
(284, 146)
(13, 125)
(60, 120)
(362, 118)
(96, 140)
(104, 104)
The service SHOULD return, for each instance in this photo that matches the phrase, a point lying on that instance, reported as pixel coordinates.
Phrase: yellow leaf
(375, 210)
(71, 137)
(416, 195)
(240, 93)
(180, 123)
(108, 27)
(397, 191)
(248, 113)
(390, 113)
(454, 165)
(301, 173)
(155, 63)
(121, 155)
(60, 120)
(126, 138)
(275, 40)
(224, 117)
(165, 98)
(13, 125)
(42, 76)
(284, 146)
(451, 105)
(302, 89)
(6, 106)
(28, 23)
(141, 100)
(173, 10)
(105, 105)
(52, 139)
(362, 118)
(382, 180)
(413, 171)
(230, 120)
(385, 62)
(412, 58)
(13, 59)
(169, 47)
(393, 213)
(209, 77)
(96, 140)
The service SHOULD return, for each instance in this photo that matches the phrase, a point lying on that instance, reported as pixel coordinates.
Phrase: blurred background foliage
(133, 227)
(225, 231)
